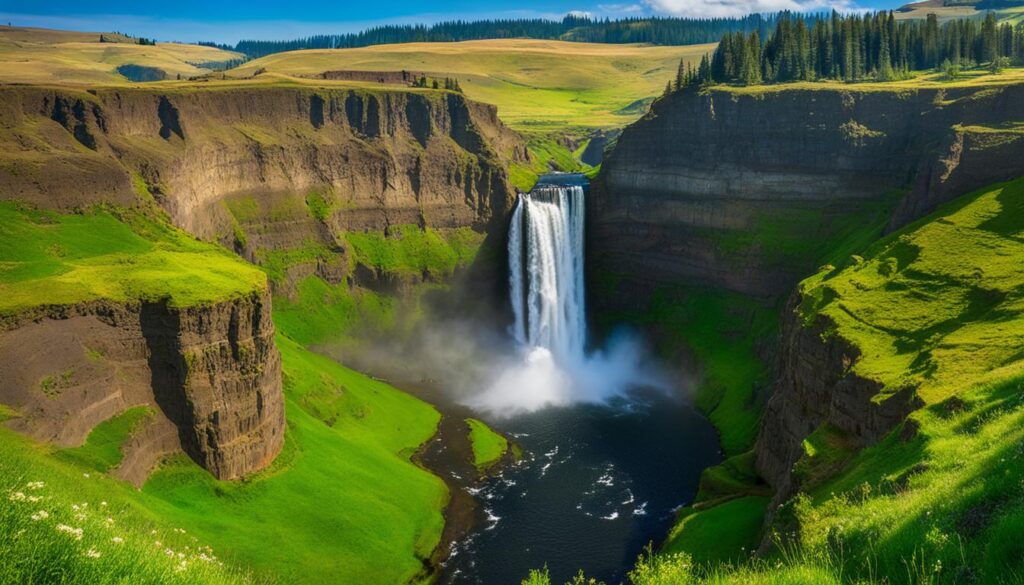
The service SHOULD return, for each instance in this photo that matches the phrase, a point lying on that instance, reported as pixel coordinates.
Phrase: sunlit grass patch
(48, 258)
(102, 450)
(345, 501)
(488, 446)
(60, 523)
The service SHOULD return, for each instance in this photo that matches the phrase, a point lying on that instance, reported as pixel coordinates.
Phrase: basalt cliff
(389, 156)
(723, 187)
(749, 191)
(260, 170)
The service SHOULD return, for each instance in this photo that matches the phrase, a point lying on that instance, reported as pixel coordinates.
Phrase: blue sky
(192, 20)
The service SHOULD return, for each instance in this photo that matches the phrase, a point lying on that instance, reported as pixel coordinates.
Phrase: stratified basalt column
(217, 377)
(233, 386)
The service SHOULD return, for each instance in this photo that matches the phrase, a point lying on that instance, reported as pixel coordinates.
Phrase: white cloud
(726, 8)
(621, 9)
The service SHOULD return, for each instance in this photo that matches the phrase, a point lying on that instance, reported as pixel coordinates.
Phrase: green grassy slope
(488, 446)
(343, 501)
(51, 258)
(938, 305)
(102, 448)
(320, 312)
(61, 522)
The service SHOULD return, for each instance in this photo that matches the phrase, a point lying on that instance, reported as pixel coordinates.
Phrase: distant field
(936, 7)
(30, 55)
(537, 85)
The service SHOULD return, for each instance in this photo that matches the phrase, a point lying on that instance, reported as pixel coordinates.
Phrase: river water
(598, 484)
(610, 460)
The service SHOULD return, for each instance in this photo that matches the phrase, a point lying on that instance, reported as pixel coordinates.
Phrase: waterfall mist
(546, 290)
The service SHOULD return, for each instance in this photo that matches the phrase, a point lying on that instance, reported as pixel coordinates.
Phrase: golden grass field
(936, 7)
(32, 55)
(536, 85)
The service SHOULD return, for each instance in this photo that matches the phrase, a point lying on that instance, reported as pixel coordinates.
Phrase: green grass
(102, 450)
(343, 501)
(935, 306)
(120, 541)
(725, 532)
(7, 413)
(546, 154)
(408, 249)
(938, 306)
(488, 446)
(50, 258)
(323, 312)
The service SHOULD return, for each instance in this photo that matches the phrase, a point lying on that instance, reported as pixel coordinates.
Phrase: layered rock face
(389, 156)
(262, 169)
(685, 186)
(211, 374)
(746, 191)
(816, 386)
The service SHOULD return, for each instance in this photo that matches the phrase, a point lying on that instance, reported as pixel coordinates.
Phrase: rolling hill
(536, 85)
(33, 55)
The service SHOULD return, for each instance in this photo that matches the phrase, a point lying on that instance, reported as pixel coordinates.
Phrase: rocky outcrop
(388, 156)
(211, 373)
(701, 189)
(817, 386)
(749, 190)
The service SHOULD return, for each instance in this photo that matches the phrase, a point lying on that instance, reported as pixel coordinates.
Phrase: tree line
(661, 31)
(873, 46)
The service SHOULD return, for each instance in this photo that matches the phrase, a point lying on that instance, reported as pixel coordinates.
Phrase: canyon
(373, 159)
(724, 190)
(751, 191)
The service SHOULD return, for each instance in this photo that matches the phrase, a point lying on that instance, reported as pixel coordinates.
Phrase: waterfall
(545, 246)
(550, 366)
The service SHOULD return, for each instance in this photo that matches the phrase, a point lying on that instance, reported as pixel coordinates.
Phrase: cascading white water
(551, 368)
(546, 271)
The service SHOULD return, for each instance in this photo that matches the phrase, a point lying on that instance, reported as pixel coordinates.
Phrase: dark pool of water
(598, 484)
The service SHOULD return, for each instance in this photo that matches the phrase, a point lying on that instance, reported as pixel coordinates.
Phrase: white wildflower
(169, 552)
(182, 566)
(93, 553)
(158, 543)
(117, 540)
(109, 521)
(80, 516)
(103, 504)
(34, 499)
(35, 485)
(85, 475)
(17, 497)
(40, 515)
(75, 533)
